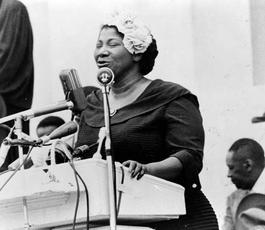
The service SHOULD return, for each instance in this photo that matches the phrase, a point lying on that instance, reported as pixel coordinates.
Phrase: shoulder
(165, 85)
(11, 8)
(13, 5)
(173, 91)
(237, 195)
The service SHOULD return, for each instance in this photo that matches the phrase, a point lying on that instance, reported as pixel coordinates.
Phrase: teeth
(102, 63)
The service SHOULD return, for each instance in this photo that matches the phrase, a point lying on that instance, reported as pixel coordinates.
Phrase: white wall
(204, 45)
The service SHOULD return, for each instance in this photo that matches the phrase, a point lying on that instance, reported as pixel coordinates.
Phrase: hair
(252, 149)
(51, 121)
(147, 61)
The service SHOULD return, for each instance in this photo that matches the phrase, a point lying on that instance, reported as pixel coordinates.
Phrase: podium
(50, 194)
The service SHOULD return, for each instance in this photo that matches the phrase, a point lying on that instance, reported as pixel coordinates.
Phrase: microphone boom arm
(30, 113)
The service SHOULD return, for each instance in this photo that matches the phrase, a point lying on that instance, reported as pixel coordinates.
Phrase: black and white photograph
(132, 114)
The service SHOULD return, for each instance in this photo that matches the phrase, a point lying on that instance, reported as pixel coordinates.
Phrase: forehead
(234, 158)
(109, 33)
(229, 157)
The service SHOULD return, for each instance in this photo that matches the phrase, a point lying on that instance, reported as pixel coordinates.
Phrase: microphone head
(70, 80)
(105, 76)
(258, 119)
(64, 130)
(73, 89)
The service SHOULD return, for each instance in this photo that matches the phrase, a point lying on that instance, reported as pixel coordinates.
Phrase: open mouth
(101, 64)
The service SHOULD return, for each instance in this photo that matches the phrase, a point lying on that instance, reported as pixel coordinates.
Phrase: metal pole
(110, 163)
(18, 127)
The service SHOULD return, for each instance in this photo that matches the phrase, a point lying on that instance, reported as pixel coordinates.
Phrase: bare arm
(167, 169)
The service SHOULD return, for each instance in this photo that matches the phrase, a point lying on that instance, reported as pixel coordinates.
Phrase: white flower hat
(137, 36)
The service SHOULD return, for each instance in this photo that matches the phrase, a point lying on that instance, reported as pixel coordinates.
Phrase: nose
(229, 174)
(102, 51)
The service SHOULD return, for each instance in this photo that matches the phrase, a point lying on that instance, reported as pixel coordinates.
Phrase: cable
(16, 170)
(6, 171)
(87, 196)
(77, 192)
(120, 192)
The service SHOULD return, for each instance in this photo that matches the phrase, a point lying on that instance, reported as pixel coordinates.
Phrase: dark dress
(163, 121)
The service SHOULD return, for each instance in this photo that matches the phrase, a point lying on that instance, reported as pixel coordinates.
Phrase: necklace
(113, 112)
(128, 97)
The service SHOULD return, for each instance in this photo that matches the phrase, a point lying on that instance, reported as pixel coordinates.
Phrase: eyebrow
(110, 39)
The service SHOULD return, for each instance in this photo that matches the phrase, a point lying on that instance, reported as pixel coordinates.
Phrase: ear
(137, 57)
(248, 165)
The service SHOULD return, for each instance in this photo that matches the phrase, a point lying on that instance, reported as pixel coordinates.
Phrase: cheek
(95, 54)
(239, 173)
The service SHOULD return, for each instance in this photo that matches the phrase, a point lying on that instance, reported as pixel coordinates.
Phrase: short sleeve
(185, 134)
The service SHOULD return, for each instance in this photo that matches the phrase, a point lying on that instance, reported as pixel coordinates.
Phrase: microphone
(75, 100)
(62, 131)
(19, 142)
(73, 90)
(83, 149)
(30, 113)
(258, 119)
(105, 76)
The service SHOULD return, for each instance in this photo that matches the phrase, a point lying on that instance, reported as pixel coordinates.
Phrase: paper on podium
(51, 196)
(39, 187)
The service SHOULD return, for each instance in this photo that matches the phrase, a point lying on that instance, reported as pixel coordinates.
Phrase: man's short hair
(252, 149)
(51, 121)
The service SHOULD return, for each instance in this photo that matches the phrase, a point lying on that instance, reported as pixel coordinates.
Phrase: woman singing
(156, 125)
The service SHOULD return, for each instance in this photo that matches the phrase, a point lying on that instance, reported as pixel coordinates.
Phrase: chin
(244, 187)
(238, 185)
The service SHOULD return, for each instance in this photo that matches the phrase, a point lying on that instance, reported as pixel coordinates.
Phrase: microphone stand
(110, 162)
(18, 128)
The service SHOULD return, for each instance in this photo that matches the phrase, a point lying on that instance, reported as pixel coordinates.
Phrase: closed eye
(114, 43)
(99, 45)
(230, 167)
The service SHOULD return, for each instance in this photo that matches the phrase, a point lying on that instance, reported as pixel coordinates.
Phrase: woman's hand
(136, 169)
(168, 169)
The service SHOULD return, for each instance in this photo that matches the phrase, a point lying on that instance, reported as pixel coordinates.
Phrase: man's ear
(248, 164)
(137, 57)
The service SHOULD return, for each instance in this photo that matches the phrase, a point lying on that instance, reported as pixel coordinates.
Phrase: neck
(125, 92)
(127, 84)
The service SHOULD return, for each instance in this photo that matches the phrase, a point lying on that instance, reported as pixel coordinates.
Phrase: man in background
(16, 64)
(245, 162)
(40, 156)
(48, 124)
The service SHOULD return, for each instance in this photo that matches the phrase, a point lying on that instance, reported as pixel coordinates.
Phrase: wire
(16, 170)
(77, 192)
(6, 171)
(120, 192)
(87, 196)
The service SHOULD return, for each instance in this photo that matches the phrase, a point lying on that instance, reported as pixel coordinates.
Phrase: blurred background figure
(245, 162)
(40, 156)
(16, 65)
(45, 127)
(48, 124)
